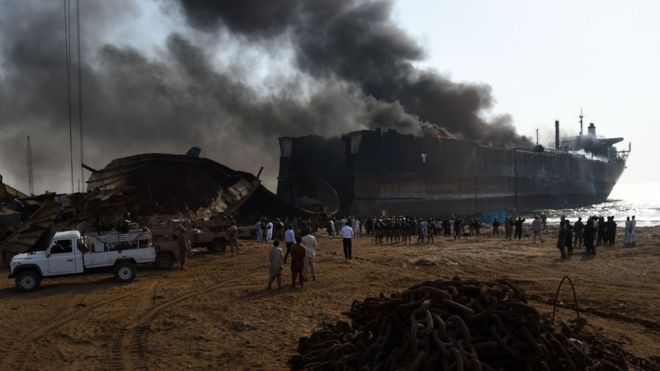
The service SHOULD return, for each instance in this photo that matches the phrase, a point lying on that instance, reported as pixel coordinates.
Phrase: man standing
(309, 241)
(590, 237)
(561, 240)
(259, 230)
(578, 233)
(269, 231)
(633, 225)
(331, 228)
(508, 228)
(519, 227)
(536, 229)
(600, 236)
(544, 222)
(276, 265)
(430, 235)
(278, 230)
(458, 228)
(356, 226)
(289, 240)
(423, 231)
(347, 240)
(297, 264)
(496, 228)
(232, 238)
(183, 242)
(610, 227)
(569, 237)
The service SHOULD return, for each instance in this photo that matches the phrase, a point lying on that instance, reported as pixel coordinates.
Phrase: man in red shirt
(297, 263)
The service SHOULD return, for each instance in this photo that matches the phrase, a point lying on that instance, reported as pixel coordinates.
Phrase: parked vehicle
(212, 233)
(69, 253)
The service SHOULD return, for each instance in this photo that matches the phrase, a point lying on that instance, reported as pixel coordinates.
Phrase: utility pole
(29, 168)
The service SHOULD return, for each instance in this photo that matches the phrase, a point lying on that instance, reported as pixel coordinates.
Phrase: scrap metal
(458, 325)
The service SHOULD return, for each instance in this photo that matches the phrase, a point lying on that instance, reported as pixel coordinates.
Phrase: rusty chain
(460, 325)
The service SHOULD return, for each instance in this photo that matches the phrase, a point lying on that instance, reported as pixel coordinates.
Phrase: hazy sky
(546, 59)
(542, 60)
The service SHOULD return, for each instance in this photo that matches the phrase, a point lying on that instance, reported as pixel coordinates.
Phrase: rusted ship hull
(426, 176)
(156, 183)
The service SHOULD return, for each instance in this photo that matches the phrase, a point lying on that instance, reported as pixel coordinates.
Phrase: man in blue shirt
(289, 240)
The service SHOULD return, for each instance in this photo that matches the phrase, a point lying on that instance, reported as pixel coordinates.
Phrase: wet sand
(218, 315)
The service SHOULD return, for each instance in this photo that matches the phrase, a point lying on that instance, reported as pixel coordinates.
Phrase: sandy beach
(218, 315)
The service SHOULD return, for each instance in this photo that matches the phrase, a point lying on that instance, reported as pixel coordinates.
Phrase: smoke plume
(351, 68)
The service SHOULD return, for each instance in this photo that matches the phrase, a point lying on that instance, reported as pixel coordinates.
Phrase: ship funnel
(557, 134)
(286, 147)
(591, 130)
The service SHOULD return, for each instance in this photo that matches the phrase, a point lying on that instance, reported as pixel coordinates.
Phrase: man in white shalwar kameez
(627, 232)
(276, 265)
(269, 231)
(309, 241)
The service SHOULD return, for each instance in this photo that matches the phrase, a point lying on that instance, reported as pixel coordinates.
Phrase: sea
(627, 199)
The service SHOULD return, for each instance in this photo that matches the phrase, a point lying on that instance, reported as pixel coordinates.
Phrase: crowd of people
(302, 251)
(595, 232)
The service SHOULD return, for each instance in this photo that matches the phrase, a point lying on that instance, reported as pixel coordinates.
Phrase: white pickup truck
(70, 253)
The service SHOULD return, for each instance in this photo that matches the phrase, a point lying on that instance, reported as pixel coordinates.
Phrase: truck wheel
(164, 260)
(125, 272)
(28, 280)
(217, 245)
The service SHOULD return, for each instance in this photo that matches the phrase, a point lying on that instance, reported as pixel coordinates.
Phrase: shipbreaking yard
(368, 126)
(218, 315)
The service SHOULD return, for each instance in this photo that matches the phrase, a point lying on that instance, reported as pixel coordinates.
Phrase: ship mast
(581, 117)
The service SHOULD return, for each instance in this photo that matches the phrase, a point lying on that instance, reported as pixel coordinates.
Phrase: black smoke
(357, 41)
(177, 97)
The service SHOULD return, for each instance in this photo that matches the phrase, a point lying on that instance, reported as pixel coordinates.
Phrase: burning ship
(369, 172)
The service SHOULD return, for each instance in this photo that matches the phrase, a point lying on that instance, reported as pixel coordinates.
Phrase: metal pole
(80, 102)
(67, 36)
(29, 164)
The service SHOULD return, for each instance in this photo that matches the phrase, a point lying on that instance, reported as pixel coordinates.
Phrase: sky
(539, 61)
(546, 60)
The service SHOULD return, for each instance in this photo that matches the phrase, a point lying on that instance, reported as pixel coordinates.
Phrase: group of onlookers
(303, 258)
(596, 231)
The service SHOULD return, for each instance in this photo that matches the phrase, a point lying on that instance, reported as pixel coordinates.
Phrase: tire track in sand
(17, 358)
(129, 349)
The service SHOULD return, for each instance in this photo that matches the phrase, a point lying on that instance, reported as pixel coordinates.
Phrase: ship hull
(425, 176)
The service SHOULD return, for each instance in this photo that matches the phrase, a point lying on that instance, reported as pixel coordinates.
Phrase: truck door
(61, 259)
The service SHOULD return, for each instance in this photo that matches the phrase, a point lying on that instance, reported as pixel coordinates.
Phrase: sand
(218, 315)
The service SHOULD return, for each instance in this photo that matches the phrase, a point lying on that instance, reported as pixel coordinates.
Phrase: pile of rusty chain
(455, 325)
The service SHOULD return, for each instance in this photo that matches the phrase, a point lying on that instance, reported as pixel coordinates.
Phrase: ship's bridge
(591, 144)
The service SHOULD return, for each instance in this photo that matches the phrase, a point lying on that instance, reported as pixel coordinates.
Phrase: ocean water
(627, 199)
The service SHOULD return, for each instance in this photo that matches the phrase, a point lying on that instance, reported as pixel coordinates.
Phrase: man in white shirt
(309, 241)
(289, 240)
(347, 240)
